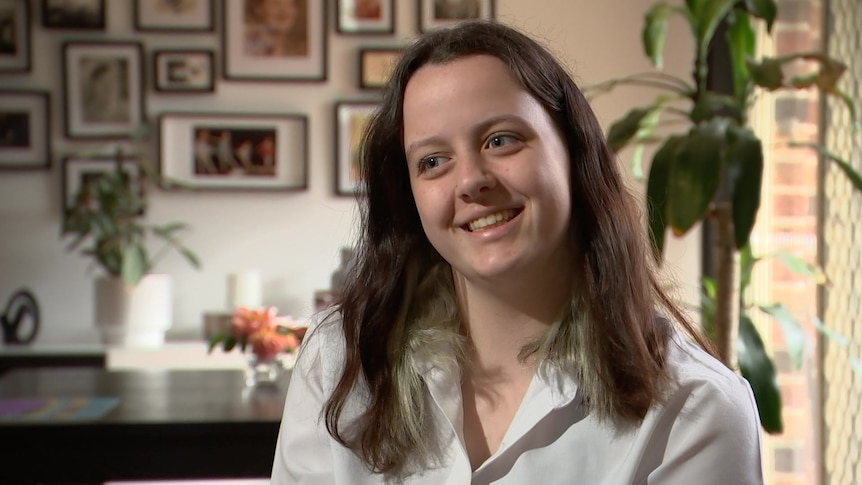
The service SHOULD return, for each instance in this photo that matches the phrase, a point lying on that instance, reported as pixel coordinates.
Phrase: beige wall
(293, 238)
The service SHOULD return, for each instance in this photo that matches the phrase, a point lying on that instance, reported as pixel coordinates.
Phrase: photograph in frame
(184, 71)
(441, 13)
(233, 151)
(174, 15)
(77, 171)
(15, 36)
(74, 14)
(375, 66)
(103, 89)
(263, 40)
(351, 119)
(365, 16)
(25, 141)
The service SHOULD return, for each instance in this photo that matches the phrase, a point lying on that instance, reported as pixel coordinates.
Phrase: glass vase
(263, 372)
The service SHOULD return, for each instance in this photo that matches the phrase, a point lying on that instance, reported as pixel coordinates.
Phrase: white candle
(244, 289)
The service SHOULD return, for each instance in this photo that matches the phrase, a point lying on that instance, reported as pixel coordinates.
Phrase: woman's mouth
(491, 220)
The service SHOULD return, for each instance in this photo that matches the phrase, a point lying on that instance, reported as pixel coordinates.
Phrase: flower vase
(263, 372)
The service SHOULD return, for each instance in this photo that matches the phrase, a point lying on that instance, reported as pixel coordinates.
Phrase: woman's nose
(474, 177)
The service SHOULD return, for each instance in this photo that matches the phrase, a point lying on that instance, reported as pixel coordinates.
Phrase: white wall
(294, 238)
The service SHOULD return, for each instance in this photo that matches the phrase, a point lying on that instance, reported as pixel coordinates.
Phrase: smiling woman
(502, 321)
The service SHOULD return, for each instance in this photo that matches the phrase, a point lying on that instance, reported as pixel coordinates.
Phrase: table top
(154, 396)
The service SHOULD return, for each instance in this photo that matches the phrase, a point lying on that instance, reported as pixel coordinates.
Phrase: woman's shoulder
(701, 378)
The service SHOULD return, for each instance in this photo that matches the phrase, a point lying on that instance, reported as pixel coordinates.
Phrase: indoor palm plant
(106, 222)
(713, 169)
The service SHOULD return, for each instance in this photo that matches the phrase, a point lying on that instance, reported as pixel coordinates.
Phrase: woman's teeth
(491, 220)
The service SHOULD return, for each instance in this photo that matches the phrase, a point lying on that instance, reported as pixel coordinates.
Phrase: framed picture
(174, 15)
(25, 130)
(351, 118)
(233, 151)
(184, 71)
(78, 171)
(375, 66)
(103, 89)
(439, 13)
(365, 16)
(14, 36)
(73, 14)
(263, 40)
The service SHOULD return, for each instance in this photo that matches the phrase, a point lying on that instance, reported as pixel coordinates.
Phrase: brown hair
(613, 340)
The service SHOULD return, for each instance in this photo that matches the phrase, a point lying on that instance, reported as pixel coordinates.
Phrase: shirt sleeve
(714, 438)
(303, 453)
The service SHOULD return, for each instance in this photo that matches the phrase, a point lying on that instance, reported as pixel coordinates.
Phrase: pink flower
(268, 342)
(260, 328)
(247, 321)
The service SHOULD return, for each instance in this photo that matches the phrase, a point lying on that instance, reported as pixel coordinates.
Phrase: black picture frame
(233, 151)
(250, 52)
(16, 37)
(376, 64)
(365, 17)
(351, 117)
(184, 71)
(442, 13)
(104, 85)
(25, 130)
(179, 17)
(76, 169)
(74, 15)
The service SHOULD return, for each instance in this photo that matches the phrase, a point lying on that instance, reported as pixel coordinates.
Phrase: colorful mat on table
(56, 408)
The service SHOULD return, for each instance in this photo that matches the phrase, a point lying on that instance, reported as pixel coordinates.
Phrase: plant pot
(135, 316)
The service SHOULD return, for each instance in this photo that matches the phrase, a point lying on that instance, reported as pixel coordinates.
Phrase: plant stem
(726, 322)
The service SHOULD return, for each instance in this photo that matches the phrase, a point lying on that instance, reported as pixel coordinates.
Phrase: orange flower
(247, 321)
(268, 342)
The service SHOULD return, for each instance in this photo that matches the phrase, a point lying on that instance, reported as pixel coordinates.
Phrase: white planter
(133, 317)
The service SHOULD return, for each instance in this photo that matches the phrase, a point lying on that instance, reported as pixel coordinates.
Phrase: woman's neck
(499, 321)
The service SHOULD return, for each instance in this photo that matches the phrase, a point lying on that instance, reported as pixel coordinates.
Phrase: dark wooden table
(190, 424)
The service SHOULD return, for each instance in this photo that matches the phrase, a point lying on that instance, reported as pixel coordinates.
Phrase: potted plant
(106, 222)
(713, 169)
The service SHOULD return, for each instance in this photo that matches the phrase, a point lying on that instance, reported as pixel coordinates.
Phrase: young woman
(502, 322)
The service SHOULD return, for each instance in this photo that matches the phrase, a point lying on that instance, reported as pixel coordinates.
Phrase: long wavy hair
(398, 301)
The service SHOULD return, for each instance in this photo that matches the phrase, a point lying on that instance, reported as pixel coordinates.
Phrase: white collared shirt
(707, 431)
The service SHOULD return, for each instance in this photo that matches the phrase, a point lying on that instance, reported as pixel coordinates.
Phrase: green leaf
(190, 256)
(763, 9)
(712, 105)
(844, 165)
(624, 130)
(747, 260)
(741, 44)
(757, 368)
(767, 73)
(794, 337)
(229, 343)
(654, 31)
(217, 339)
(744, 159)
(798, 266)
(657, 192)
(708, 307)
(832, 335)
(694, 175)
(707, 17)
(134, 264)
(167, 230)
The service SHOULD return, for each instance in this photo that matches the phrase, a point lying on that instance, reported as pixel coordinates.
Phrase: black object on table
(176, 424)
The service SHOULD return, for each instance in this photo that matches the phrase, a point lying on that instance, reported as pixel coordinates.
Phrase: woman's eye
(498, 141)
(430, 163)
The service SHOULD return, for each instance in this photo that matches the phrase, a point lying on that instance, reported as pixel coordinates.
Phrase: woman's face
(488, 169)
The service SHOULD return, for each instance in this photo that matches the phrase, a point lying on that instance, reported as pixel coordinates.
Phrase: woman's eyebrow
(475, 130)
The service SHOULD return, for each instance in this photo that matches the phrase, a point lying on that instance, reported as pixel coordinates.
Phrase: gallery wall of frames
(106, 80)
